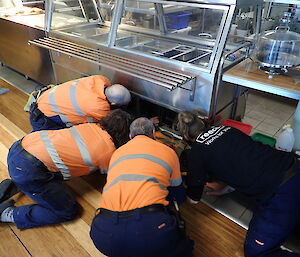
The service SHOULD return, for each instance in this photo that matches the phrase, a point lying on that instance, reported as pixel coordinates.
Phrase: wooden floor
(214, 235)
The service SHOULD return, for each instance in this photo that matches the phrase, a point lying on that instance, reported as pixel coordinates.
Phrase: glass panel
(89, 23)
(106, 8)
(24, 12)
(79, 8)
(10, 8)
(242, 28)
(178, 32)
(71, 12)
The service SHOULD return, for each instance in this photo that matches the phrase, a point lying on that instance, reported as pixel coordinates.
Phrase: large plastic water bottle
(296, 128)
(286, 139)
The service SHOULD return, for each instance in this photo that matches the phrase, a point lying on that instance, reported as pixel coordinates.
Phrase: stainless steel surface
(48, 17)
(283, 1)
(86, 30)
(161, 18)
(216, 96)
(217, 2)
(15, 52)
(162, 77)
(116, 19)
(166, 62)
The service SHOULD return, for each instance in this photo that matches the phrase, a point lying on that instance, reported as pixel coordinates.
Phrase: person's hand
(154, 120)
(217, 188)
(191, 201)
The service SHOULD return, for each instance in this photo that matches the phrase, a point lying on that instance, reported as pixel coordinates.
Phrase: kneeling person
(75, 102)
(40, 162)
(134, 219)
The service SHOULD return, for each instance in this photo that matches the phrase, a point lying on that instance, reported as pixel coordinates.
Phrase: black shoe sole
(6, 204)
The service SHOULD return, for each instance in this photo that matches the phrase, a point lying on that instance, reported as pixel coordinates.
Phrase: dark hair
(117, 126)
(189, 124)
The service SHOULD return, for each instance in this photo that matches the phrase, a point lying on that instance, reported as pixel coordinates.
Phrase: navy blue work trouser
(39, 121)
(274, 220)
(54, 203)
(150, 234)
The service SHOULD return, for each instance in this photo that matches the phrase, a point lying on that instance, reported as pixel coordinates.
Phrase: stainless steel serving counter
(16, 31)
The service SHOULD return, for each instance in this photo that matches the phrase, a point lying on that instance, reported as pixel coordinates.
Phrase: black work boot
(7, 189)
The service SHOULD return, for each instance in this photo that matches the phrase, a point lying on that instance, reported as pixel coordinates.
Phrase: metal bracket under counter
(168, 79)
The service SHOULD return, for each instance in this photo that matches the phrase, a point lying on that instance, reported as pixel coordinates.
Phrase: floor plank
(11, 128)
(214, 234)
(10, 245)
(3, 154)
(83, 237)
(56, 240)
(12, 104)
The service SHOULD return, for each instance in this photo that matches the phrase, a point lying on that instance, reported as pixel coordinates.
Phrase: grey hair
(141, 126)
(118, 94)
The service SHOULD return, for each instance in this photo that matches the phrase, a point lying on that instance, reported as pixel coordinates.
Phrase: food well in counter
(135, 42)
(175, 51)
(86, 30)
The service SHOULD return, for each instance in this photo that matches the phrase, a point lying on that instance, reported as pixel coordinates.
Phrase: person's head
(189, 125)
(141, 126)
(117, 95)
(117, 126)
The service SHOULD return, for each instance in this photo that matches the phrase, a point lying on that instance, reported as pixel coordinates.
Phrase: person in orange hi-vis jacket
(42, 160)
(75, 102)
(134, 218)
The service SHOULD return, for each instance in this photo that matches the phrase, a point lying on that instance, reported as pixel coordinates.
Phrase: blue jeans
(141, 235)
(274, 220)
(42, 122)
(54, 203)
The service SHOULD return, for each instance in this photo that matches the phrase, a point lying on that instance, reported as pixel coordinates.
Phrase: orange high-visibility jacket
(78, 101)
(74, 151)
(139, 174)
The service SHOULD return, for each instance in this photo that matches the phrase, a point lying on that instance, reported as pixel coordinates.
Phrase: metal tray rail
(90, 50)
(160, 76)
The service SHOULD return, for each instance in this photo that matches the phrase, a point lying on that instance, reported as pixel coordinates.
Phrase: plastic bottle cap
(287, 126)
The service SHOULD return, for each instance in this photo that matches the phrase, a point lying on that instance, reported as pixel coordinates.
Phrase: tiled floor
(268, 113)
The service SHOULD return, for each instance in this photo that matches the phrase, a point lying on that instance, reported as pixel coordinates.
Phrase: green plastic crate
(267, 140)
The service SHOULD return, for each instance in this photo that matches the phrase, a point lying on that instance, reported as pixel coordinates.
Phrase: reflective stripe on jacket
(73, 151)
(139, 174)
(77, 101)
